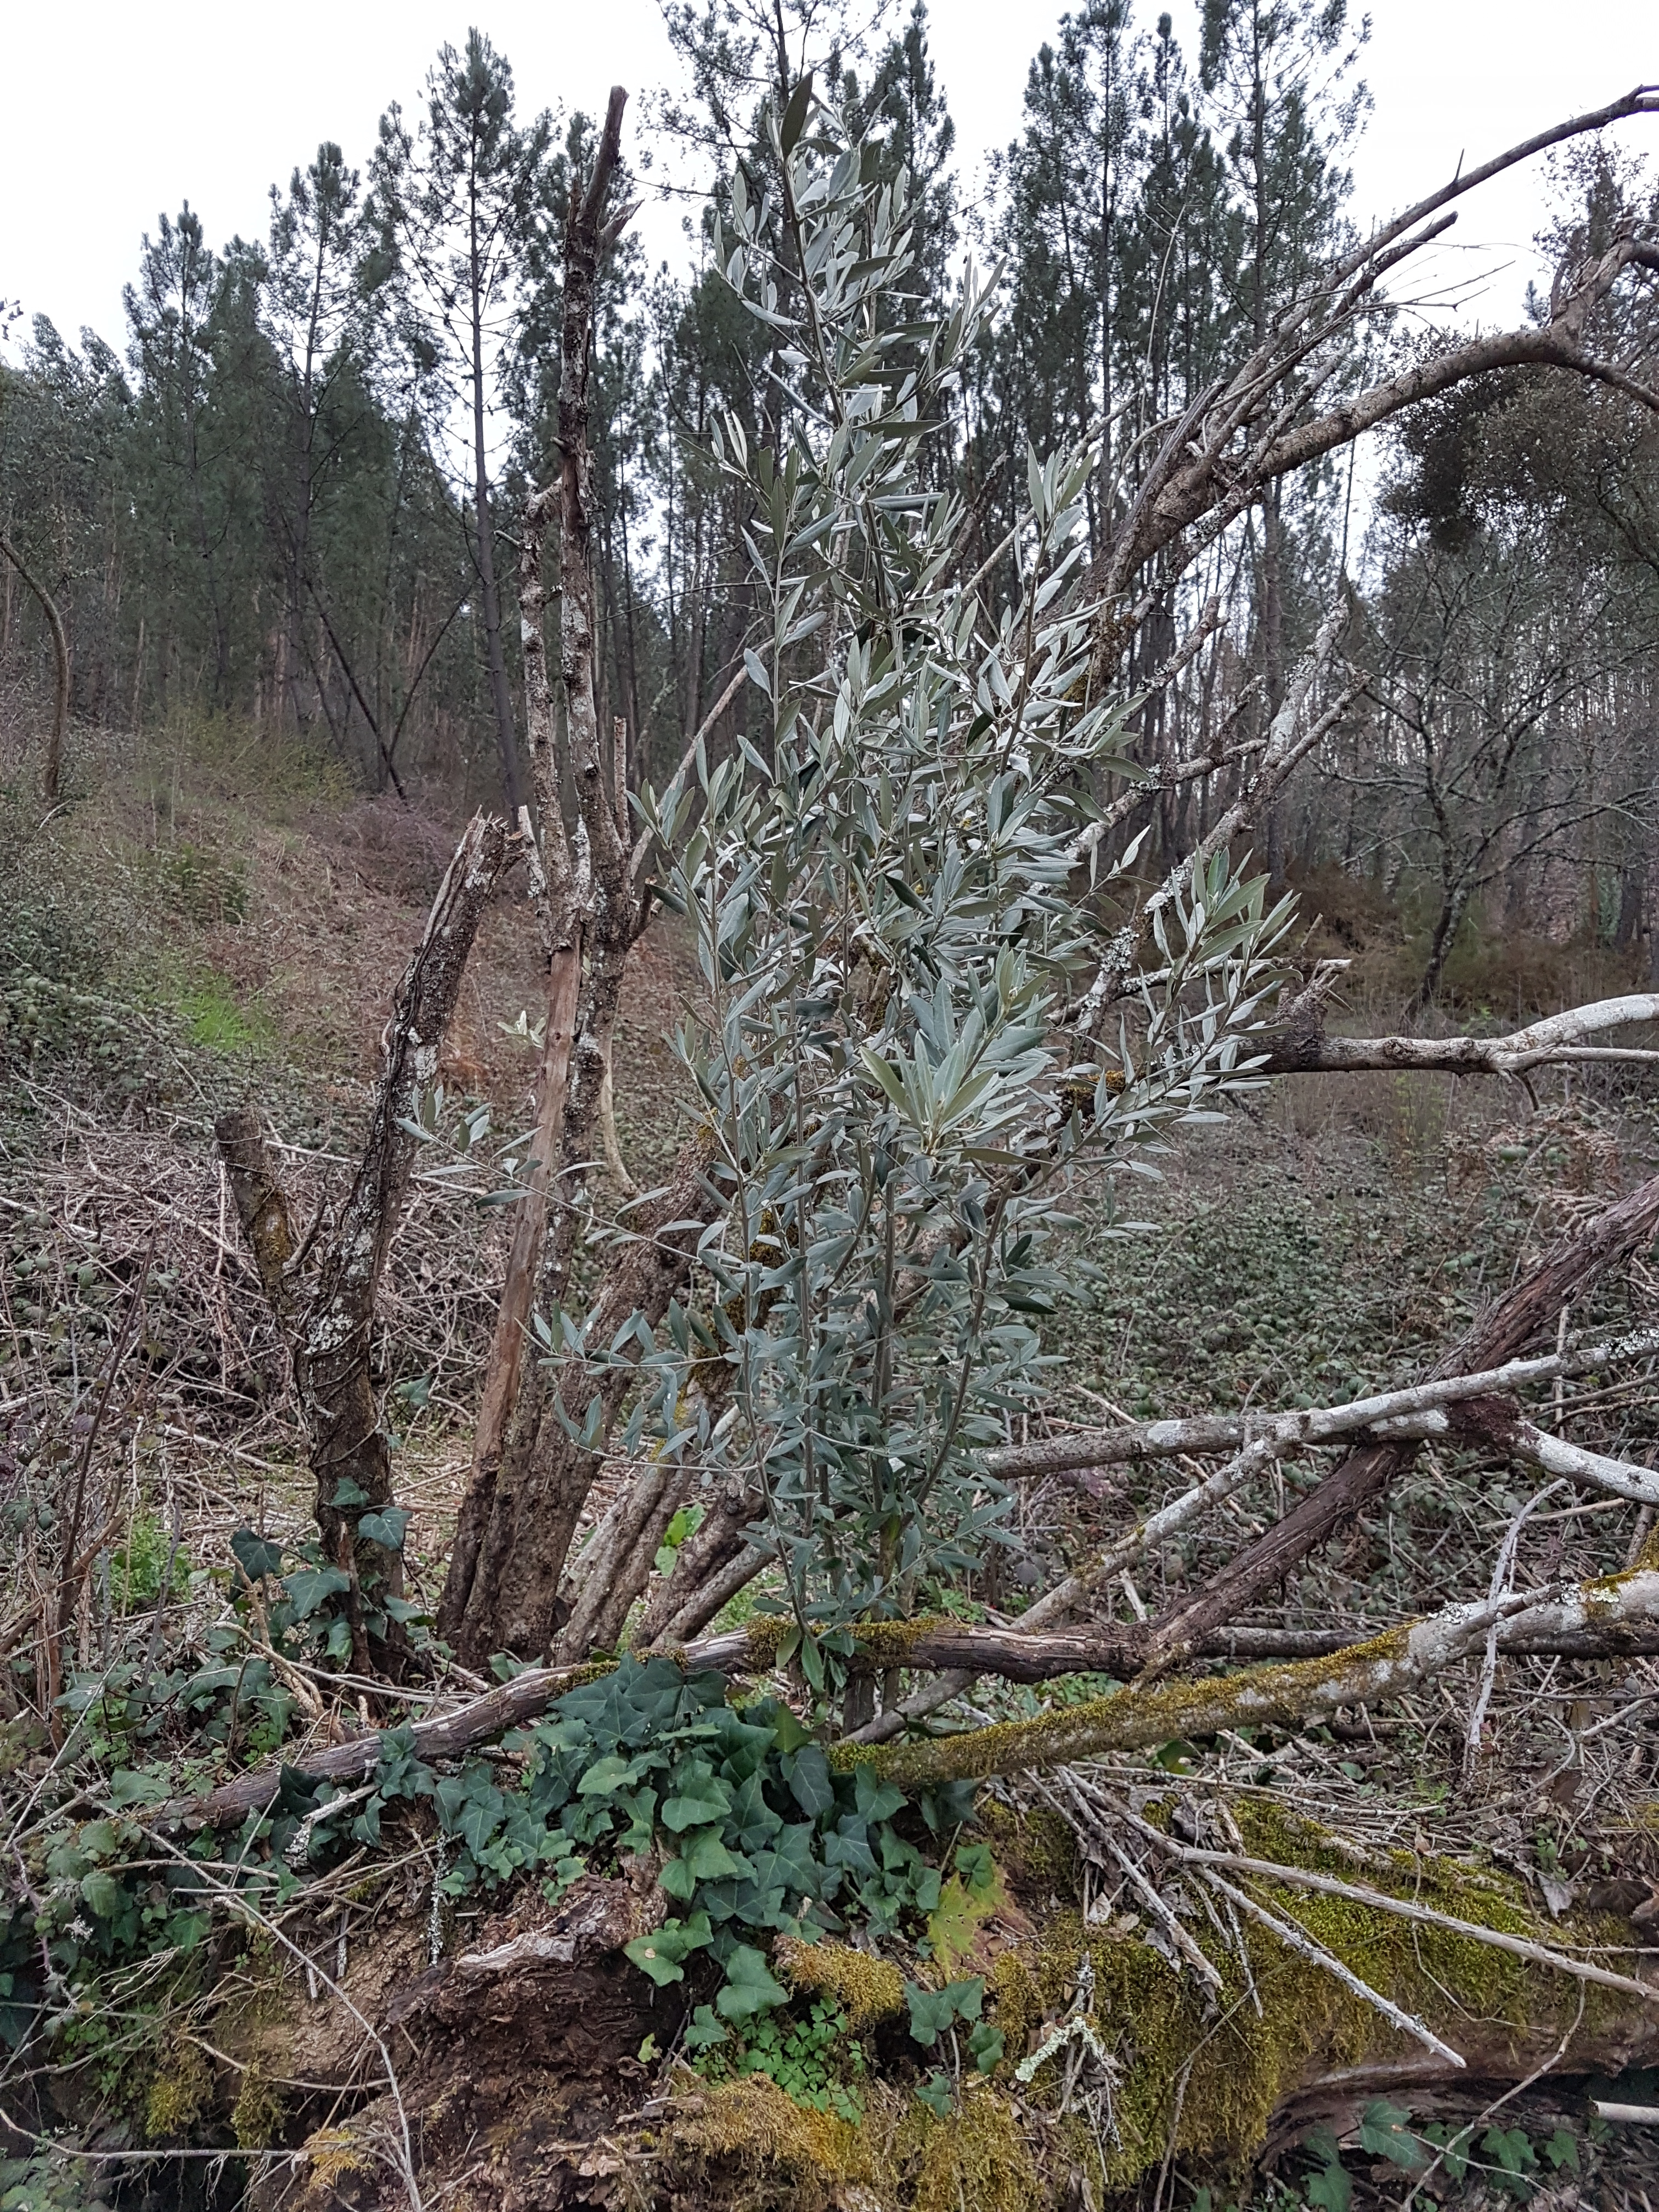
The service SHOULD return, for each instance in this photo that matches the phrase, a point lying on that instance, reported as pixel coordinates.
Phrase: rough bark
(511, 1602)
(523, 1504)
(557, 892)
(326, 1325)
(703, 1559)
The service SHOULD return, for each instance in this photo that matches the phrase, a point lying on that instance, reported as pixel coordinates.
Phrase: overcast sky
(110, 113)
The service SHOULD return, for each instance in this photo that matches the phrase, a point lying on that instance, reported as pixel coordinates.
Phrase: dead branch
(327, 1328)
(1294, 733)
(509, 1597)
(1257, 424)
(1578, 1624)
(1402, 1908)
(1305, 1051)
(593, 916)
(1304, 1426)
(1577, 1262)
(1273, 1697)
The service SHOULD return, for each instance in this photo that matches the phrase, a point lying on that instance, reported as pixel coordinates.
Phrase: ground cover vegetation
(826, 1369)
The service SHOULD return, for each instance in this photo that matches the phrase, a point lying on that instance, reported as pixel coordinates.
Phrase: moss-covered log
(1270, 1697)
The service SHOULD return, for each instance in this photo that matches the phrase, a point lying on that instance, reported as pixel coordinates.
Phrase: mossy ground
(1189, 2078)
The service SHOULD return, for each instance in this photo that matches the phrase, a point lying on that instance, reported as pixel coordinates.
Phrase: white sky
(112, 113)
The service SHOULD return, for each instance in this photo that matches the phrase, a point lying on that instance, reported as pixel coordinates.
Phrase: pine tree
(461, 199)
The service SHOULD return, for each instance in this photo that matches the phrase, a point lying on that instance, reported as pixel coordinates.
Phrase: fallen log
(1288, 1696)
(1618, 1618)
(1577, 1263)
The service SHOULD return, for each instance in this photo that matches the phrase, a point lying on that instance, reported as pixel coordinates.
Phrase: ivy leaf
(1561, 2149)
(309, 1586)
(707, 1858)
(256, 1555)
(387, 1526)
(807, 1772)
(697, 1804)
(743, 1748)
(639, 1810)
(705, 2030)
(606, 1776)
(132, 1785)
(1384, 2133)
(662, 1954)
(1332, 2190)
(849, 1850)
(987, 2045)
(976, 1866)
(877, 1800)
(937, 2094)
(786, 1731)
(1511, 2149)
(750, 1987)
(101, 1892)
(752, 1818)
(677, 1880)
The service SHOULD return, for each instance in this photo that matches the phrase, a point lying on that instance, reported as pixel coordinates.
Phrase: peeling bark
(529, 1486)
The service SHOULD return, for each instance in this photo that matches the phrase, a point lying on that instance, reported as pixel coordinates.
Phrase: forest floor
(206, 921)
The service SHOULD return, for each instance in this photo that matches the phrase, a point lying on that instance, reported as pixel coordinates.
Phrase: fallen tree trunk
(1617, 1619)
(1576, 1265)
(1304, 1425)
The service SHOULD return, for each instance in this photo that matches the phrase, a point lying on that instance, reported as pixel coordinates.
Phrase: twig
(1296, 1938)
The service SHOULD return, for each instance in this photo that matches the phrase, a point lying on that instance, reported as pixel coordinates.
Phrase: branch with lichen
(1289, 1696)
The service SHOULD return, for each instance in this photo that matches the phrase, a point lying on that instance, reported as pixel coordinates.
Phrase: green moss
(179, 2091)
(257, 2115)
(979, 2156)
(1035, 1846)
(746, 2145)
(1240, 2064)
(867, 1989)
(1128, 1720)
(881, 1644)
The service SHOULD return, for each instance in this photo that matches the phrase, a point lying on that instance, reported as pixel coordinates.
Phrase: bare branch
(1314, 1424)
